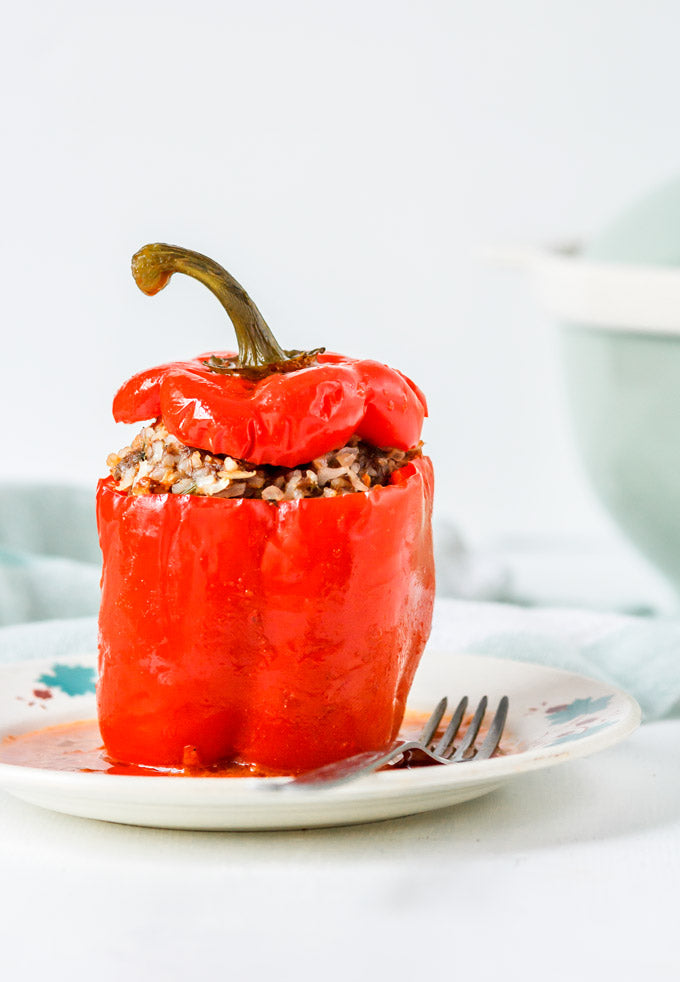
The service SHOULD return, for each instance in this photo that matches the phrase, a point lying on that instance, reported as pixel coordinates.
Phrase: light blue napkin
(49, 594)
(638, 654)
(50, 561)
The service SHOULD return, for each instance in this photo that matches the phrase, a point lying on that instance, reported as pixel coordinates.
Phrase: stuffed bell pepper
(268, 578)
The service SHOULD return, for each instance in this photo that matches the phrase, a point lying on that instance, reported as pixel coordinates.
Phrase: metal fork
(418, 752)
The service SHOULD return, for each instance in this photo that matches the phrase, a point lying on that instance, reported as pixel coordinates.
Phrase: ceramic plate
(554, 716)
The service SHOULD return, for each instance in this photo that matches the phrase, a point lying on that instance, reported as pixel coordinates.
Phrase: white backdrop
(346, 162)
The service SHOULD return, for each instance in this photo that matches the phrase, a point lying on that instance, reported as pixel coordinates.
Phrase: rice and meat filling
(157, 463)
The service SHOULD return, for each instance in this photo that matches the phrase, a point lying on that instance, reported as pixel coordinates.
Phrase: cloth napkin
(639, 655)
(49, 594)
(49, 554)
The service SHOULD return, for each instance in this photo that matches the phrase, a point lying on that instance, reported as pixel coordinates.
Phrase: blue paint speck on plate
(578, 734)
(74, 680)
(579, 707)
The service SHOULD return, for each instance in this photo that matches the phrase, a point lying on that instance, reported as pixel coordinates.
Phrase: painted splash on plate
(579, 707)
(583, 715)
(74, 680)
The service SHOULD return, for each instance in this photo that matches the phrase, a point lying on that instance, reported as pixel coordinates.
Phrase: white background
(346, 162)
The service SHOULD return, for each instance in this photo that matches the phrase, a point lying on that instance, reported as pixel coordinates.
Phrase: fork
(417, 752)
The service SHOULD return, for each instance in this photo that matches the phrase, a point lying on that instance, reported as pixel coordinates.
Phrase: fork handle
(345, 770)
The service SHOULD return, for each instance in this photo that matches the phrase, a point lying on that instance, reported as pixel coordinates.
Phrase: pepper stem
(258, 350)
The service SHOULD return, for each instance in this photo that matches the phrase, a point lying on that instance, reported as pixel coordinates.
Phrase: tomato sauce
(78, 747)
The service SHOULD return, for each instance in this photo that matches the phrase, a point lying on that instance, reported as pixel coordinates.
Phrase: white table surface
(571, 873)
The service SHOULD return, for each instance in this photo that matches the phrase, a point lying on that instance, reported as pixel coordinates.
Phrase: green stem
(259, 352)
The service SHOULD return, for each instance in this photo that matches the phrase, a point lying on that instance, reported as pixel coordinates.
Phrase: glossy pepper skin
(282, 635)
(283, 418)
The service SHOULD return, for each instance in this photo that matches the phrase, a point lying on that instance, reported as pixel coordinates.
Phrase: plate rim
(380, 785)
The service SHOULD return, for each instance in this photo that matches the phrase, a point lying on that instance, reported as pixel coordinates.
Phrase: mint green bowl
(619, 303)
(624, 393)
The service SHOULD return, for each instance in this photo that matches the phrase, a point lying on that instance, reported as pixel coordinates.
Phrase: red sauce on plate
(78, 747)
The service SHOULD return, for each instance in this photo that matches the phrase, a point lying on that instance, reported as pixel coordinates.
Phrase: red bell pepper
(283, 635)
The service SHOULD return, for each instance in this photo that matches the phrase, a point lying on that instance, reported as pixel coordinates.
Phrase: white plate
(554, 716)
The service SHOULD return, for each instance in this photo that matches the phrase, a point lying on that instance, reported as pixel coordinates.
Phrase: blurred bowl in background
(624, 393)
(618, 303)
